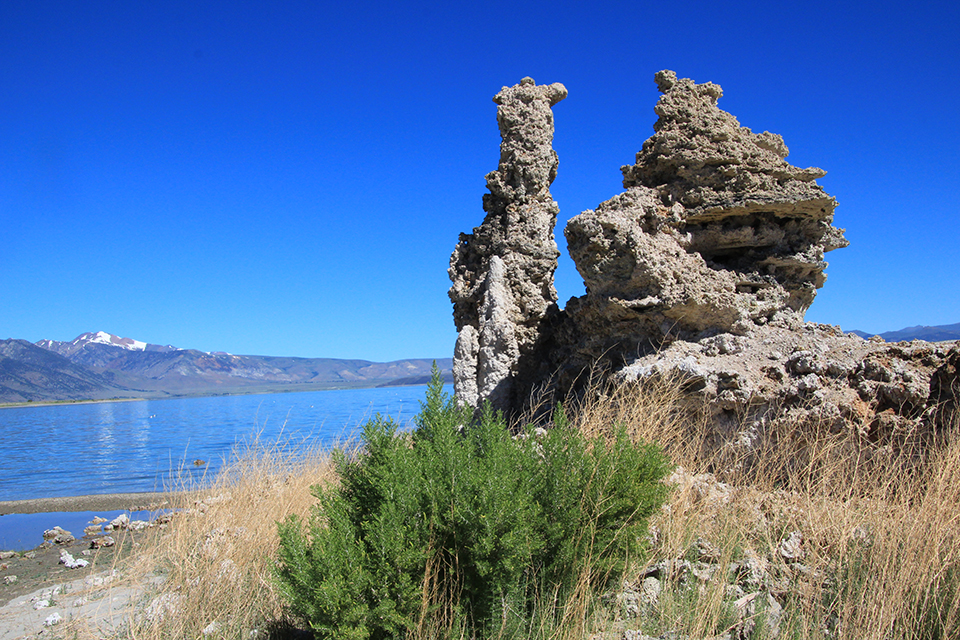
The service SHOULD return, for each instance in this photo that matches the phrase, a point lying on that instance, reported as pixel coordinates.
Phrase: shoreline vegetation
(806, 534)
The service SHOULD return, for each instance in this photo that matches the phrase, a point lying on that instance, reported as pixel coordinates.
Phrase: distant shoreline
(240, 392)
(52, 403)
(149, 501)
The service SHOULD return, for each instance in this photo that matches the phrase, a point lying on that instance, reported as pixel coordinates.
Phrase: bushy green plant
(467, 522)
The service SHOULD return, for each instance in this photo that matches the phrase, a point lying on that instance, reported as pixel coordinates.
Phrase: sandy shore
(103, 502)
(56, 403)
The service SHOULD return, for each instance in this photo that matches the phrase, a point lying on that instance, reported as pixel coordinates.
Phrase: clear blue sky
(289, 178)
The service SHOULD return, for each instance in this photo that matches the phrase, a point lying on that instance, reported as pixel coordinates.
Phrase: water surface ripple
(119, 447)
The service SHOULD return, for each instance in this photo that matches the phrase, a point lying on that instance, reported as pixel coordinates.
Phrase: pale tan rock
(816, 375)
(102, 541)
(58, 535)
(716, 232)
(502, 273)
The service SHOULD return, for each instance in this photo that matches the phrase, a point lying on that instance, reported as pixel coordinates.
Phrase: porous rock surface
(816, 375)
(715, 232)
(502, 273)
(701, 270)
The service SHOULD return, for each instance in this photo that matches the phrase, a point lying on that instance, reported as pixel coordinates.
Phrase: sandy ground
(91, 603)
(55, 403)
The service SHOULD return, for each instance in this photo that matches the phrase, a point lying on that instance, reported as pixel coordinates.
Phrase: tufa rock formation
(502, 273)
(715, 233)
(701, 270)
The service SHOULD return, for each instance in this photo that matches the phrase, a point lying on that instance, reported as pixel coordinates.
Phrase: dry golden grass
(208, 572)
(879, 524)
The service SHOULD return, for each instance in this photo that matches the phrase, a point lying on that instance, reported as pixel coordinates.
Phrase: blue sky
(290, 178)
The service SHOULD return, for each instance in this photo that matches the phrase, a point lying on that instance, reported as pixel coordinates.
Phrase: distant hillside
(930, 334)
(30, 373)
(100, 366)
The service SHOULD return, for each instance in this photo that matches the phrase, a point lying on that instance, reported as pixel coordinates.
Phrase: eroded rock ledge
(701, 269)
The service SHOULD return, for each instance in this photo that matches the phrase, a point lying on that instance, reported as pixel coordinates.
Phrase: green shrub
(465, 523)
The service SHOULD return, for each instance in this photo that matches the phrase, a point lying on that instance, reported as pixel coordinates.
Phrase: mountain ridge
(937, 333)
(99, 365)
(100, 337)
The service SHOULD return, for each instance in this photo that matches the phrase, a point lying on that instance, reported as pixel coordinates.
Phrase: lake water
(119, 447)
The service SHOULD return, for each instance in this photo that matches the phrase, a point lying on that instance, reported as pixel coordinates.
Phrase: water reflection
(145, 445)
(106, 436)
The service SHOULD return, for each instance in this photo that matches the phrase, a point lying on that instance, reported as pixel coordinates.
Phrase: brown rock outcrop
(502, 273)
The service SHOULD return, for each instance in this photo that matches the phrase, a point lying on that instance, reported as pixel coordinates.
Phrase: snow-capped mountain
(102, 337)
(68, 349)
(31, 373)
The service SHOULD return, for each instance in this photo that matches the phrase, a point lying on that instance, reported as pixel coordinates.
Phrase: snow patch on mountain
(68, 349)
(102, 337)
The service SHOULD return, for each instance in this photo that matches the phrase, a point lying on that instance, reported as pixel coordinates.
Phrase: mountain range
(100, 365)
(930, 334)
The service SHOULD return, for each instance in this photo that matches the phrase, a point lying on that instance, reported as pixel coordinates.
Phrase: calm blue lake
(120, 447)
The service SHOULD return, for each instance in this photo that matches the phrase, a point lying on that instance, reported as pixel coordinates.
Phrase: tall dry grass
(208, 572)
(879, 525)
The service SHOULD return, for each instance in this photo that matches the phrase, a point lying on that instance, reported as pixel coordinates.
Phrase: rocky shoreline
(62, 552)
(61, 579)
